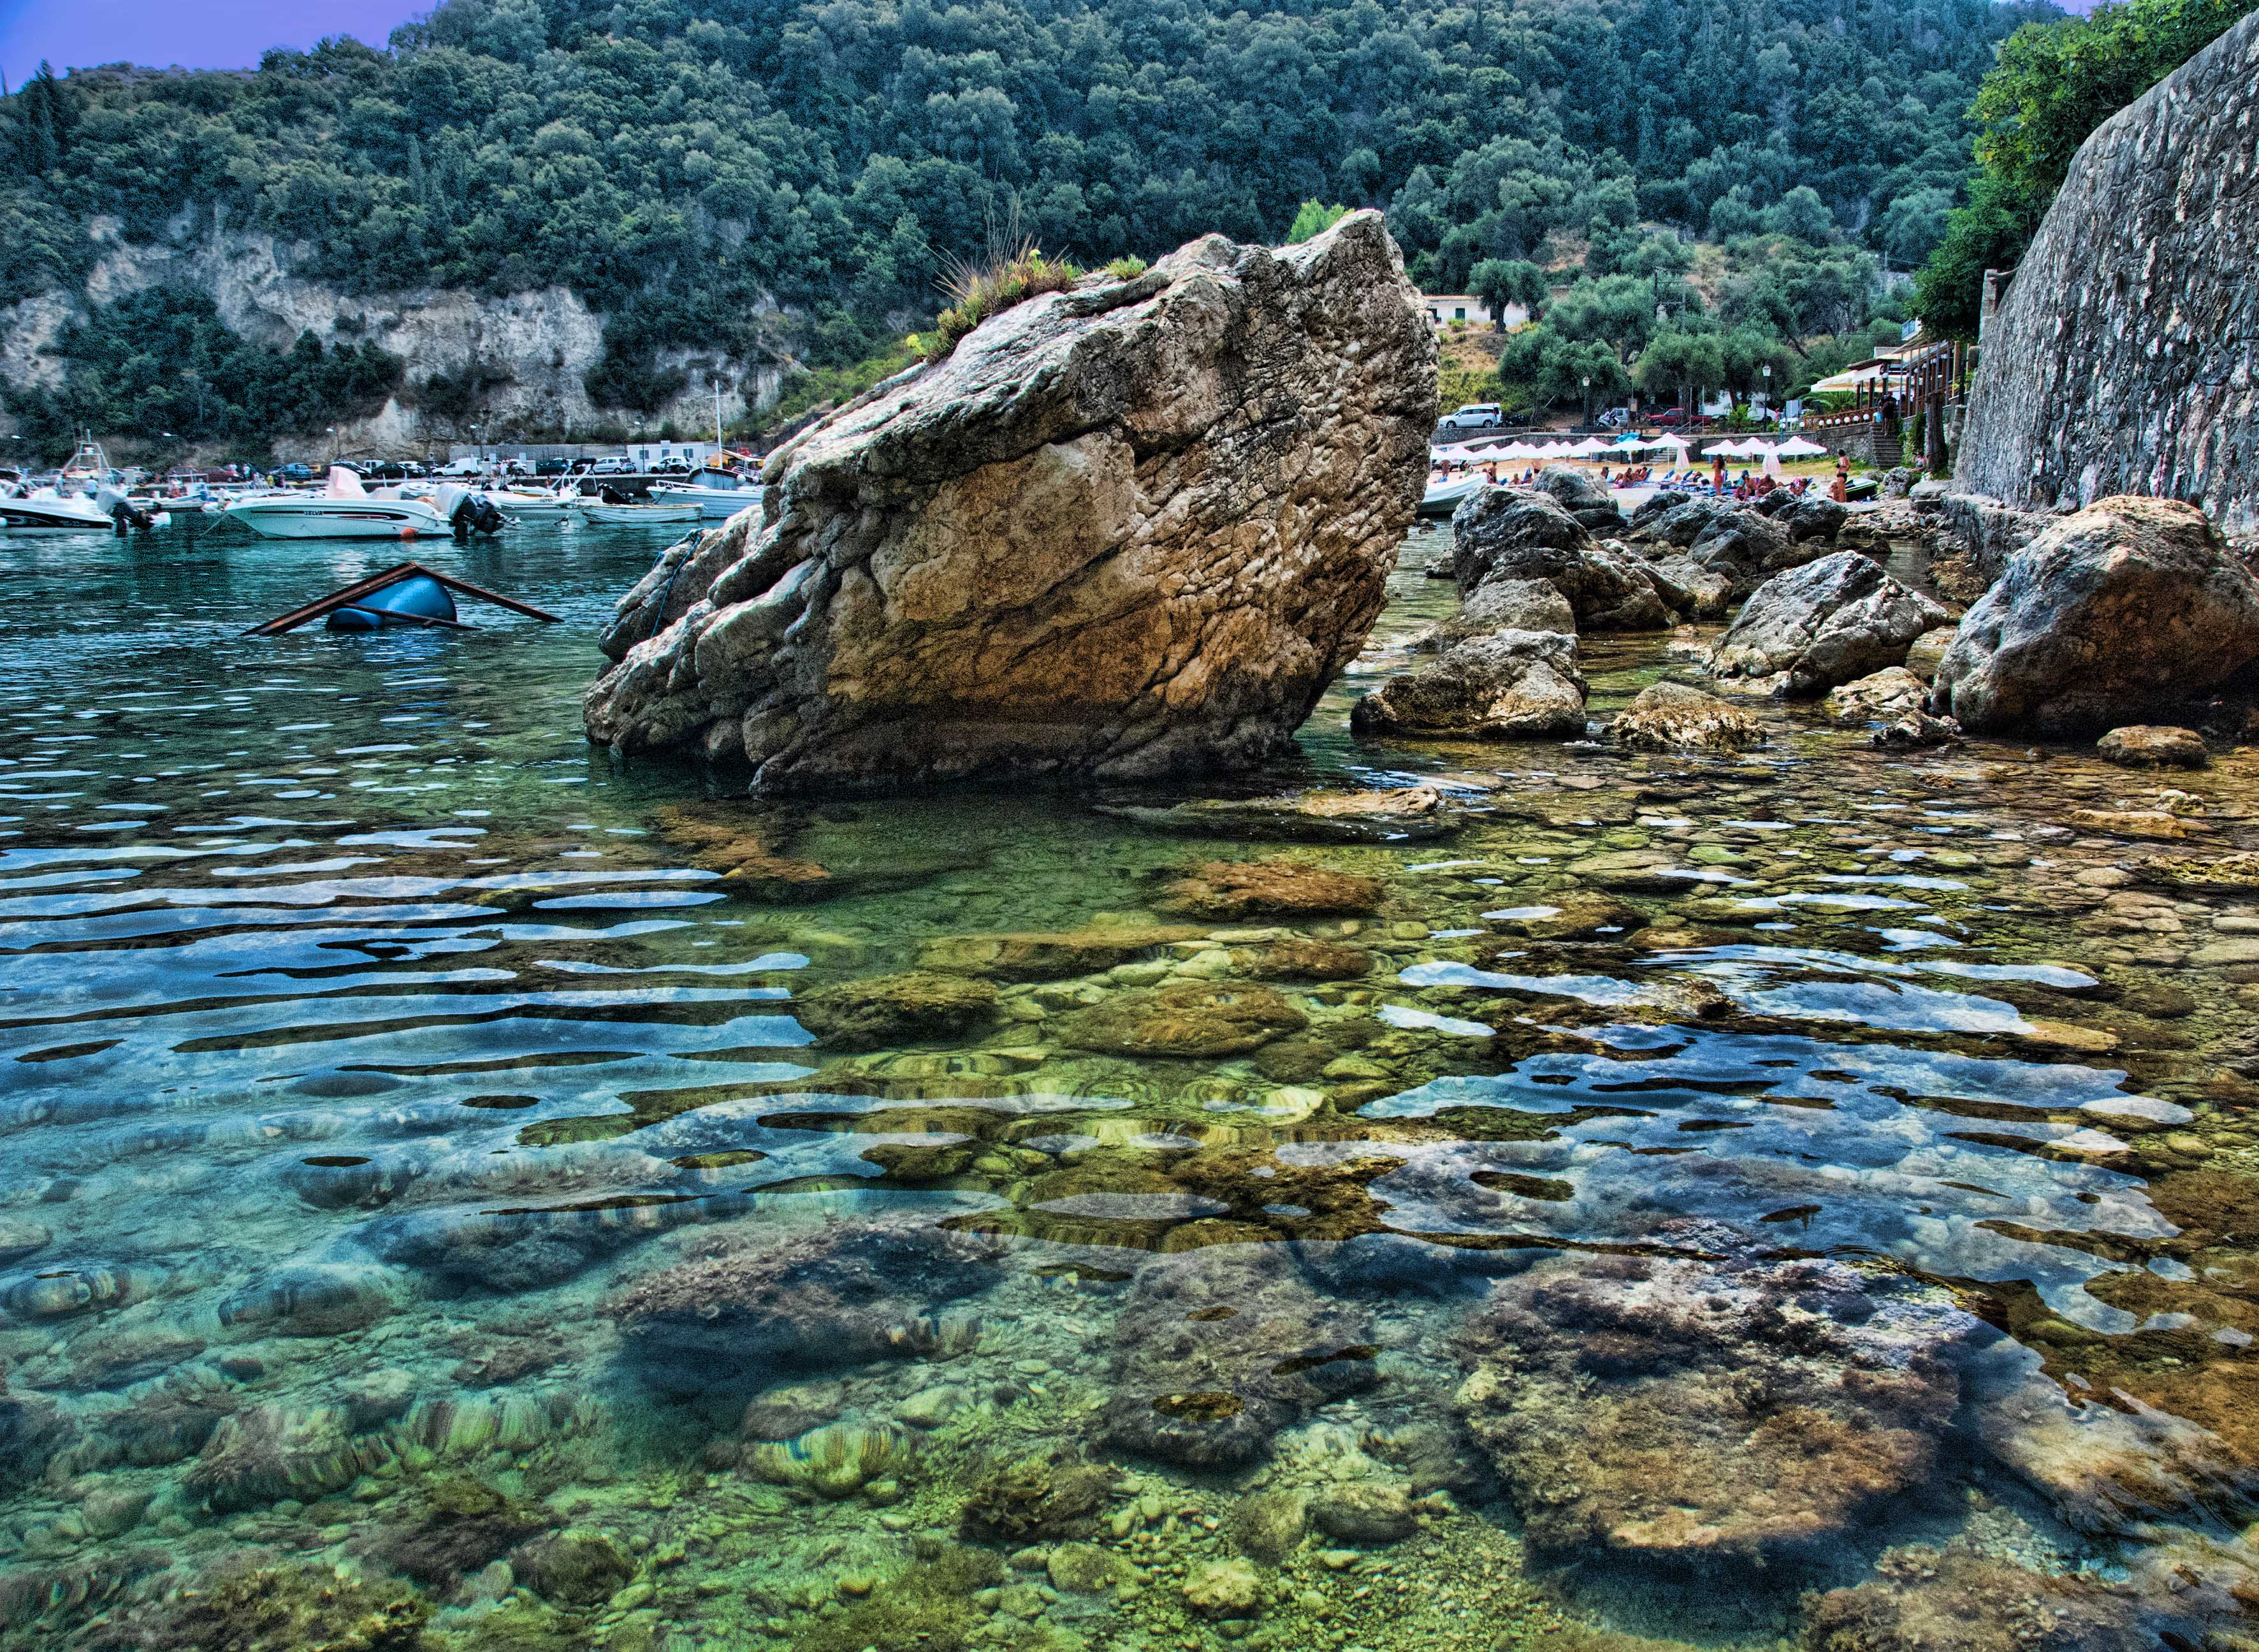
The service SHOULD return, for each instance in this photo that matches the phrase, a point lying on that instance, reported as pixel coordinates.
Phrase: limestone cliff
(543, 342)
(2125, 358)
(1130, 529)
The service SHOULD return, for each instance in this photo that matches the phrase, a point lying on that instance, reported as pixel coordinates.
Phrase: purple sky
(197, 34)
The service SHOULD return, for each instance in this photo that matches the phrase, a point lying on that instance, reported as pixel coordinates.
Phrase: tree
(1802, 216)
(1914, 224)
(2054, 84)
(1313, 218)
(1679, 364)
(1501, 282)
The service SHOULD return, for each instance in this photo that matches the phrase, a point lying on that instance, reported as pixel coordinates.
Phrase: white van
(1476, 416)
(462, 467)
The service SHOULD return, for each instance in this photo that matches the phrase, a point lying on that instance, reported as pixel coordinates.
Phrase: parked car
(552, 467)
(617, 466)
(296, 473)
(1476, 416)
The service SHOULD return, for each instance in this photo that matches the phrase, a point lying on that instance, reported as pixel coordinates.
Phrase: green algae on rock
(918, 1006)
(1231, 891)
(1184, 1019)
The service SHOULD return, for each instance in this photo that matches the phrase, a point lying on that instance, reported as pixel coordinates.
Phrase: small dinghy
(406, 594)
(417, 599)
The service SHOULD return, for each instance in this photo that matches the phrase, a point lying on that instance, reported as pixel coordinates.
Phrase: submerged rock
(918, 1006)
(453, 1525)
(835, 1461)
(1048, 957)
(1224, 1589)
(1512, 685)
(1300, 959)
(1915, 732)
(2126, 608)
(787, 1300)
(578, 1567)
(245, 1607)
(1364, 1513)
(2150, 747)
(1671, 716)
(1228, 891)
(1127, 529)
(1046, 1494)
(1183, 1019)
(266, 1453)
(1827, 622)
(1731, 1409)
(1408, 814)
(1218, 1350)
(1958, 1599)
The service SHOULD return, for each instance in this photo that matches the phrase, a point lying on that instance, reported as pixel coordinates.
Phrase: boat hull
(354, 519)
(639, 516)
(715, 504)
(23, 514)
(1444, 498)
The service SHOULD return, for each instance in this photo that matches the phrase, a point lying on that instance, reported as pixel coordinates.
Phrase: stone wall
(2125, 358)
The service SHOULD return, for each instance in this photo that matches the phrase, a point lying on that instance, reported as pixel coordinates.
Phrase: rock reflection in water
(456, 1194)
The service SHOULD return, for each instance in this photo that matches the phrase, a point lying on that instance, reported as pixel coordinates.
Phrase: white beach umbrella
(1797, 447)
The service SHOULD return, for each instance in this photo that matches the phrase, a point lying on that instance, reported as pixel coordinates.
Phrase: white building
(1443, 309)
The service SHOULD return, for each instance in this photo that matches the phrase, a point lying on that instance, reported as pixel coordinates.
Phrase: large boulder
(1814, 516)
(1655, 506)
(1513, 533)
(1583, 498)
(1514, 685)
(1687, 520)
(1130, 529)
(1988, 532)
(1507, 533)
(1669, 716)
(1746, 545)
(1503, 605)
(2111, 616)
(1825, 623)
(2119, 360)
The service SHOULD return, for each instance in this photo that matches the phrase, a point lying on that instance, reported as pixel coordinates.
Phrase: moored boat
(1442, 497)
(671, 515)
(719, 495)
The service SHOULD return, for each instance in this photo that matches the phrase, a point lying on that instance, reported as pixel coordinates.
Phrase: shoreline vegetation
(785, 189)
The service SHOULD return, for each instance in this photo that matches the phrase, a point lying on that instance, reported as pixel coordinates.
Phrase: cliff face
(544, 340)
(2125, 358)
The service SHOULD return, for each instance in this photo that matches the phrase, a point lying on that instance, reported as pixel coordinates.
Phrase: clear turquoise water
(413, 1164)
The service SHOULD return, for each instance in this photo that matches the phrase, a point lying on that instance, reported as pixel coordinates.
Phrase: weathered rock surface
(1671, 716)
(910, 1008)
(2119, 360)
(1583, 498)
(1235, 890)
(1745, 546)
(1929, 650)
(784, 1299)
(1988, 532)
(1814, 516)
(1656, 505)
(1184, 1019)
(1511, 686)
(1048, 955)
(2149, 747)
(1503, 605)
(1825, 623)
(2112, 614)
(1692, 590)
(1509, 533)
(1685, 522)
(1961, 1600)
(1727, 1410)
(1886, 695)
(1322, 816)
(1129, 529)
(1220, 1349)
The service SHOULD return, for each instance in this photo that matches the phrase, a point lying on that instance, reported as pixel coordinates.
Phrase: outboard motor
(612, 496)
(124, 514)
(476, 514)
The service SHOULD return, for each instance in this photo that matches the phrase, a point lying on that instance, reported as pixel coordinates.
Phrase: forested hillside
(688, 165)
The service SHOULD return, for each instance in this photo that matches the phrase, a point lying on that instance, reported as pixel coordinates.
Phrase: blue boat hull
(409, 601)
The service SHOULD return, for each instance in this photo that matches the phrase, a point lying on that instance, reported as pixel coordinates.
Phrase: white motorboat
(524, 506)
(610, 516)
(1442, 497)
(85, 499)
(343, 510)
(49, 508)
(719, 495)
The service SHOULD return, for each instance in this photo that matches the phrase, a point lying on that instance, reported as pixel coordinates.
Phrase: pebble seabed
(1804, 1195)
